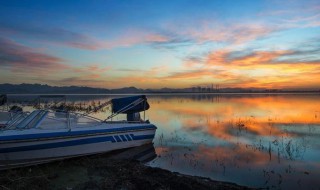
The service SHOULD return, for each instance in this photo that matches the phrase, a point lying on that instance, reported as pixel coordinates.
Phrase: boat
(46, 135)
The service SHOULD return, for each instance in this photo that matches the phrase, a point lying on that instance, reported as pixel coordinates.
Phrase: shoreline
(98, 172)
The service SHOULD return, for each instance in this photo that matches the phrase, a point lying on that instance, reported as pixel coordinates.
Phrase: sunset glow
(157, 44)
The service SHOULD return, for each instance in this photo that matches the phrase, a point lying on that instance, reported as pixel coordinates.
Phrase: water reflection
(256, 140)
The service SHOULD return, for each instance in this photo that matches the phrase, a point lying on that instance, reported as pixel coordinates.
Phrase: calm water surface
(255, 140)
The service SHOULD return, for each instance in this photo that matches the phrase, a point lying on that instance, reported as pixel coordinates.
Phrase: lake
(257, 140)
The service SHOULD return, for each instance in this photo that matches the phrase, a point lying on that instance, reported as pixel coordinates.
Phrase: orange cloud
(224, 57)
(91, 68)
(262, 57)
(263, 69)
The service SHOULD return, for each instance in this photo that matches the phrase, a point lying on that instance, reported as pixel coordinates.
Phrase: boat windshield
(61, 120)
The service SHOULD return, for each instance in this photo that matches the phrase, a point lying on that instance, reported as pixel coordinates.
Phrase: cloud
(304, 21)
(32, 65)
(193, 61)
(130, 70)
(168, 38)
(172, 41)
(61, 36)
(288, 18)
(306, 52)
(245, 68)
(248, 68)
(264, 57)
(19, 58)
(94, 68)
(212, 31)
(58, 36)
(258, 57)
(172, 37)
(156, 39)
(275, 13)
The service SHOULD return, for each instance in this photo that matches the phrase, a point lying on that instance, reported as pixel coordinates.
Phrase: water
(258, 140)
(254, 140)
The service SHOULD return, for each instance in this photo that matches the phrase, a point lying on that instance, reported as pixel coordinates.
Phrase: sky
(156, 44)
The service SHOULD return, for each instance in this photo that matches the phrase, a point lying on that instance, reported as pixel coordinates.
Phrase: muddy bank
(101, 173)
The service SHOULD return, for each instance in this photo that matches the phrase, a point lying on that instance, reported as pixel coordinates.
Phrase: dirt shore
(100, 173)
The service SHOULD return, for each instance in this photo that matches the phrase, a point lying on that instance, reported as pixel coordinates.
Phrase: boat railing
(67, 115)
(125, 121)
(86, 116)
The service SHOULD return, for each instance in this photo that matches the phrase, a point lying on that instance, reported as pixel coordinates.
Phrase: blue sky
(155, 44)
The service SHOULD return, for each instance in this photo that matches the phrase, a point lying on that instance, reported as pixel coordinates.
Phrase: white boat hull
(45, 147)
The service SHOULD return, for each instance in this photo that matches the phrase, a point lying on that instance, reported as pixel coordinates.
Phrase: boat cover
(119, 104)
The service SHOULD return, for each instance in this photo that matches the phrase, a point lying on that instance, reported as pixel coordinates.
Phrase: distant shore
(171, 93)
(46, 89)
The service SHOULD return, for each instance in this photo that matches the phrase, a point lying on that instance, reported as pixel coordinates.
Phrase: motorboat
(45, 135)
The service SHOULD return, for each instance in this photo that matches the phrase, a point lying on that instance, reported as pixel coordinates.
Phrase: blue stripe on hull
(128, 137)
(72, 143)
(74, 133)
(117, 138)
(123, 138)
